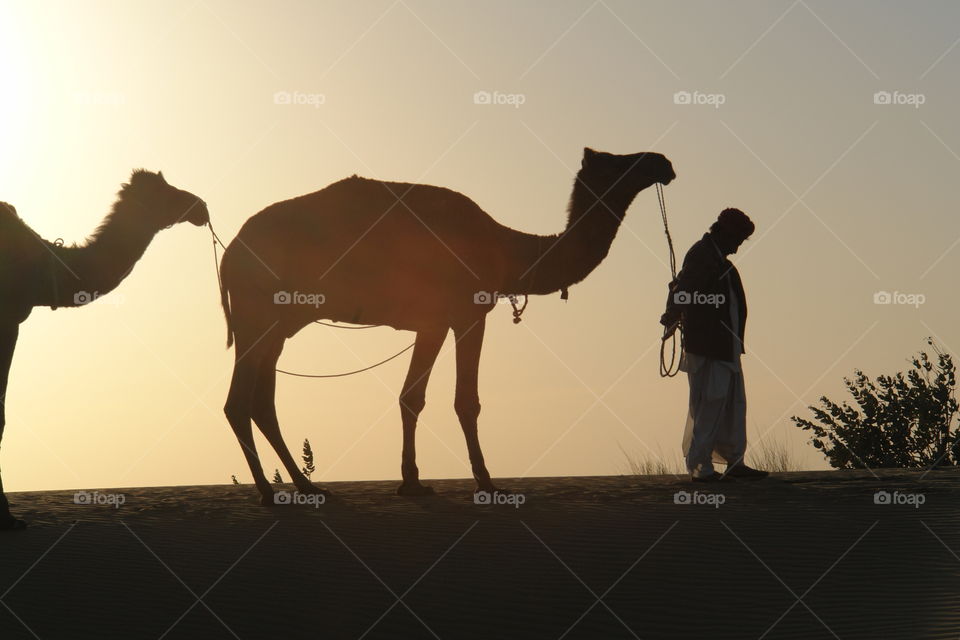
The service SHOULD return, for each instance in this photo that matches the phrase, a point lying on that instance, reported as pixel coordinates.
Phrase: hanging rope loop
(669, 370)
(517, 310)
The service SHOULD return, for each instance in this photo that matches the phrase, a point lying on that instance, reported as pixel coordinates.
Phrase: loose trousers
(716, 428)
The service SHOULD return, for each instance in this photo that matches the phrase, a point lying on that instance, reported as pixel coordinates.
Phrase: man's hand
(669, 329)
(669, 317)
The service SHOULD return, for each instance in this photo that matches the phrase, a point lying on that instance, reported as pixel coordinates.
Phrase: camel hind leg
(250, 352)
(264, 413)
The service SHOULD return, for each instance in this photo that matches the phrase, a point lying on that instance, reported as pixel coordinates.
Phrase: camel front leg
(467, 401)
(412, 400)
(8, 342)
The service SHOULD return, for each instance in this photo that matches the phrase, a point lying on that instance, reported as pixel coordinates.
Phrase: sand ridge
(801, 555)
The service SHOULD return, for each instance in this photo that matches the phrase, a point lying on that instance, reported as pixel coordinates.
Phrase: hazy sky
(850, 197)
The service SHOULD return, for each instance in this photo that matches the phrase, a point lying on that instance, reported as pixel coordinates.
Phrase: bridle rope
(668, 370)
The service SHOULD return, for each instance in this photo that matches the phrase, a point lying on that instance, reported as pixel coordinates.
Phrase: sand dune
(801, 555)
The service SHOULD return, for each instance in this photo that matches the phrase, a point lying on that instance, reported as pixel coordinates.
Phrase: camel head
(634, 172)
(164, 204)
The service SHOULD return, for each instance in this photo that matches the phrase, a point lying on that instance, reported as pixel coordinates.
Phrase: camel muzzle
(198, 214)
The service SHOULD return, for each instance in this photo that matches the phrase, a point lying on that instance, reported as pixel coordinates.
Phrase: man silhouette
(707, 298)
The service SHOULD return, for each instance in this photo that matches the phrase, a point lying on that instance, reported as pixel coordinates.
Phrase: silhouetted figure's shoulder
(702, 252)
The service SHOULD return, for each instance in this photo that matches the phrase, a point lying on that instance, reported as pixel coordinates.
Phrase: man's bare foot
(741, 470)
(713, 477)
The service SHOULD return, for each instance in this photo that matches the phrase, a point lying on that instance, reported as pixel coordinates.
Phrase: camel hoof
(313, 490)
(414, 490)
(490, 489)
(268, 500)
(12, 524)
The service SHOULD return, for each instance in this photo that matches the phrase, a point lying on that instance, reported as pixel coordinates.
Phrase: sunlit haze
(777, 108)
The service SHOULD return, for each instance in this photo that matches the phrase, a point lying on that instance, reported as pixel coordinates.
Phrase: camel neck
(77, 275)
(545, 264)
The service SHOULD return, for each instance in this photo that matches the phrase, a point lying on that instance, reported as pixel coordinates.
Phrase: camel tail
(225, 301)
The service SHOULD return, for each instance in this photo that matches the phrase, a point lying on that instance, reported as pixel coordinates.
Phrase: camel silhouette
(38, 273)
(414, 257)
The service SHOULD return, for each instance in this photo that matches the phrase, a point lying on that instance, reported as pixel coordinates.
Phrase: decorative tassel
(564, 294)
(517, 310)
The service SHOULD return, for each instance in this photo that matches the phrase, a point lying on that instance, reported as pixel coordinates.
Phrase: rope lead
(216, 265)
(669, 333)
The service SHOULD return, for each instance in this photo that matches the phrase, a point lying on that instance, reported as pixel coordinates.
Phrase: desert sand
(800, 555)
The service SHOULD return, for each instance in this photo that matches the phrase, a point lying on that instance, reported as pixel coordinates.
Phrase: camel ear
(588, 155)
(162, 179)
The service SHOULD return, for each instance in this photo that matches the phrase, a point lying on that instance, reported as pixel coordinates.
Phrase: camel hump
(345, 209)
(360, 189)
(11, 225)
(8, 211)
